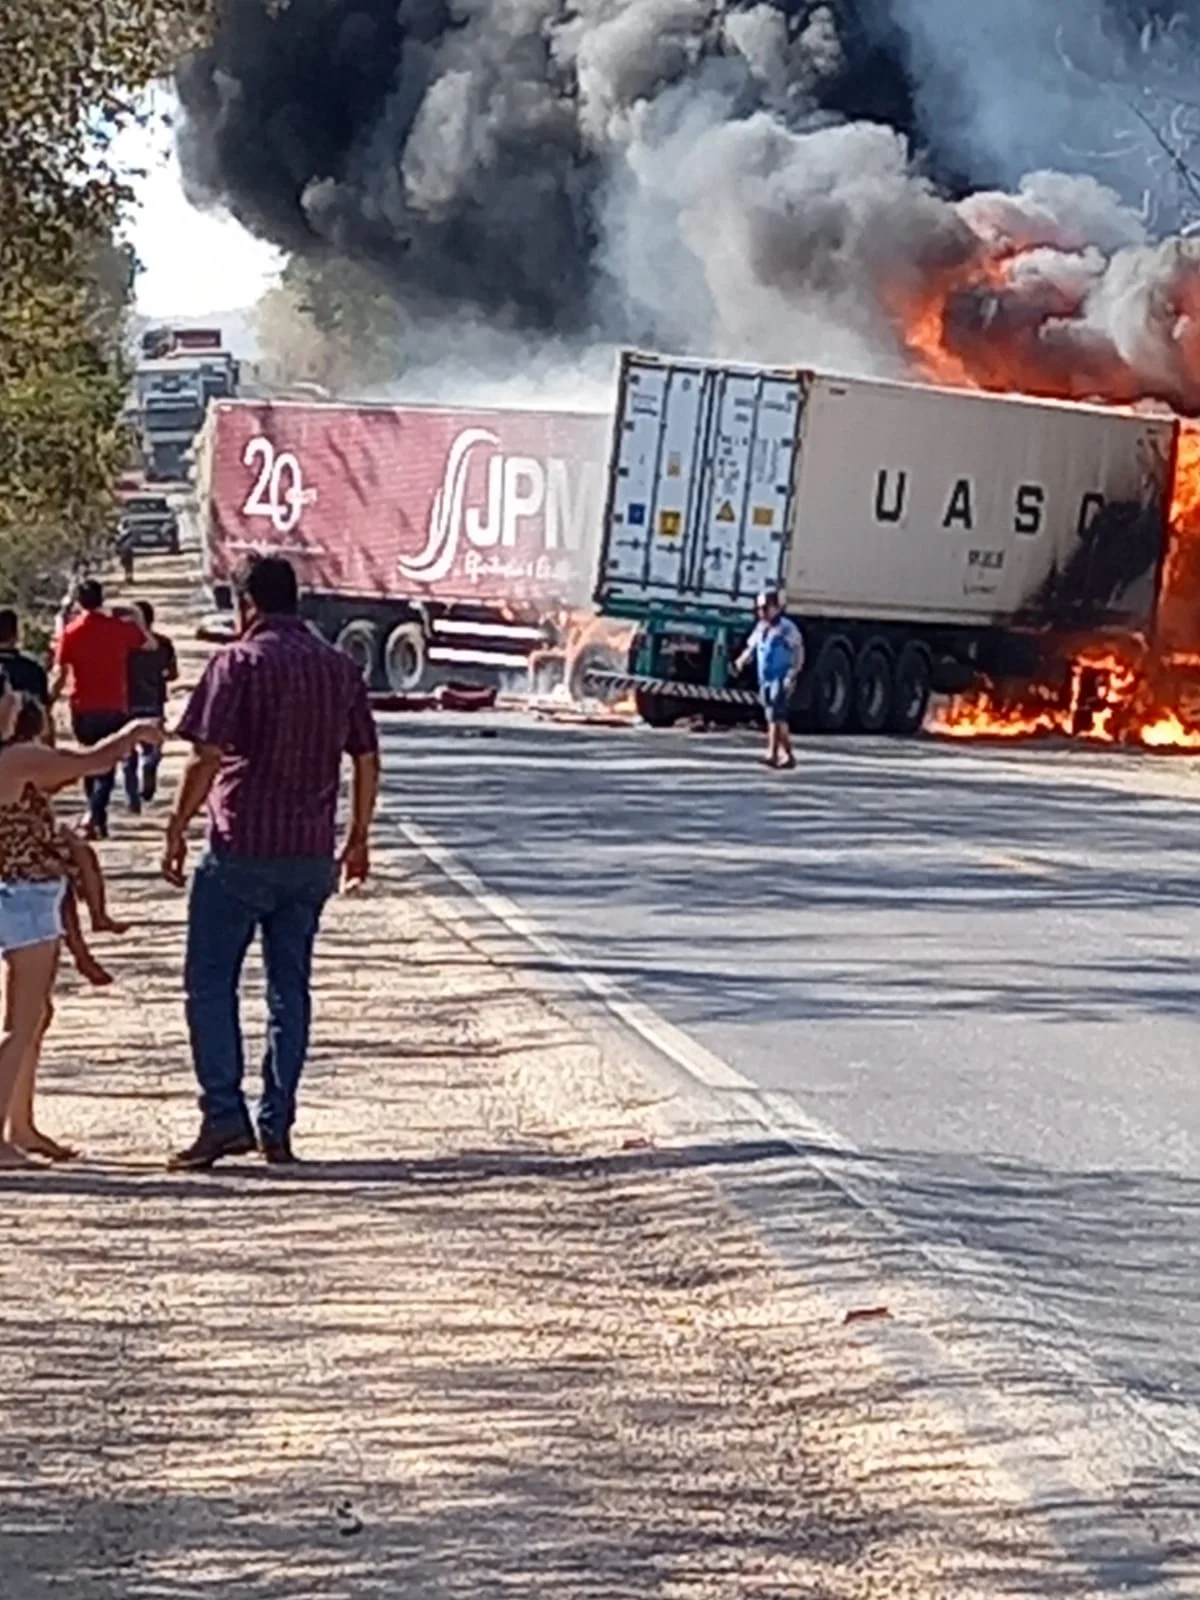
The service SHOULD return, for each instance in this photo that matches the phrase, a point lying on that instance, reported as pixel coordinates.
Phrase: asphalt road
(978, 967)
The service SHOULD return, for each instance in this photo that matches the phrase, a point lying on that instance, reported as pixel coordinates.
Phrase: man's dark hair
(89, 596)
(270, 582)
(145, 611)
(9, 626)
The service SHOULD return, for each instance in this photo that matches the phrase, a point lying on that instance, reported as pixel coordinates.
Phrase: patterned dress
(31, 846)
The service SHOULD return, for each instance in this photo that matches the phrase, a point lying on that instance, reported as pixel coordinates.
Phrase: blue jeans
(232, 898)
(90, 728)
(141, 774)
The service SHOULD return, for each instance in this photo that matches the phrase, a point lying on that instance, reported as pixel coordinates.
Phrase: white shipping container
(881, 501)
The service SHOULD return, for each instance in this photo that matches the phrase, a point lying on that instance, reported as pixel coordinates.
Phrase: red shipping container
(491, 507)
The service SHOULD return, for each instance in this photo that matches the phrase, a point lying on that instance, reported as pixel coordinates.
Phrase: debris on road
(867, 1314)
(447, 697)
(582, 716)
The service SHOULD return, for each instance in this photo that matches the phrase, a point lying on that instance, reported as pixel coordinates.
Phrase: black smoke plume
(723, 176)
(461, 148)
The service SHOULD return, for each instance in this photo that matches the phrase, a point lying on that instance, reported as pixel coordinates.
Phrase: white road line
(664, 1036)
(969, 1281)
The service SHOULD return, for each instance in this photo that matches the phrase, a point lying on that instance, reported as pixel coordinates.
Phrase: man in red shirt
(93, 651)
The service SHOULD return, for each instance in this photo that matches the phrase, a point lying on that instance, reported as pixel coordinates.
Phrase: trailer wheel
(873, 687)
(357, 640)
(833, 687)
(656, 710)
(405, 657)
(912, 687)
(594, 658)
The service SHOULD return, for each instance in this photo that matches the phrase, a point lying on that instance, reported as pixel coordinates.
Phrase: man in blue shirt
(779, 650)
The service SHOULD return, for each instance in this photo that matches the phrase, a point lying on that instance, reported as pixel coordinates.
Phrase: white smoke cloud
(464, 361)
(746, 239)
(790, 72)
(623, 54)
(1064, 213)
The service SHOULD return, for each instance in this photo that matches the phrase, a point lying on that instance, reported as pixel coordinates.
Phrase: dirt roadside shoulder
(491, 1340)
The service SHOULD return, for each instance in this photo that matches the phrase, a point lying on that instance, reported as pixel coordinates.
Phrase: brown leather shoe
(277, 1152)
(211, 1146)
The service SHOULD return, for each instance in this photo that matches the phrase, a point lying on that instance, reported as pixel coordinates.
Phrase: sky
(194, 261)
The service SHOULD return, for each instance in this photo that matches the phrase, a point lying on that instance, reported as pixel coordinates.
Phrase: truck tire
(912, 685)
(833, 687)
(873, 687)
(357, 640)
(594, 658)
(405, 658)
(657, 710)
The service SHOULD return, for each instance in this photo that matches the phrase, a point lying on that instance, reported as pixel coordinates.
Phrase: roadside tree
(71, 74)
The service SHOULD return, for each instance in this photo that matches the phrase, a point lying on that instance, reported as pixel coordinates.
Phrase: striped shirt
(283, 707)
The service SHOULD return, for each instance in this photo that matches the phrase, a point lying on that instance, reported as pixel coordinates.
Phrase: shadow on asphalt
(585, 1494)
(697, 840)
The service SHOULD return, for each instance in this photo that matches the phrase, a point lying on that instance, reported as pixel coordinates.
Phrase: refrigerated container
(922, 537)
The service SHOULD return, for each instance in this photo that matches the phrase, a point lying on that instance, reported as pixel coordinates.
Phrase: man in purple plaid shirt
(270, 721)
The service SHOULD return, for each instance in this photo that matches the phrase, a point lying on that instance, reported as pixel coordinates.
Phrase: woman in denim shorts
(32, 881)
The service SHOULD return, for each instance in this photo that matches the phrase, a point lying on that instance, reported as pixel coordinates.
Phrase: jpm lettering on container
(517, 489)
(1029, 504)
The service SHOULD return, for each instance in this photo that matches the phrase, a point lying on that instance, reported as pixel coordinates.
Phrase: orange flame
(1169, 733)
(1132, 695)
(925, 340)
(578, 631)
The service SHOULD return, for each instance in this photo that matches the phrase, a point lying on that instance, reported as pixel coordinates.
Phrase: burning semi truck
(929, 540)
(432, 544)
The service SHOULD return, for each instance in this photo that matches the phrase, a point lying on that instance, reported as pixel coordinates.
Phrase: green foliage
(330, 322)
(71, 72)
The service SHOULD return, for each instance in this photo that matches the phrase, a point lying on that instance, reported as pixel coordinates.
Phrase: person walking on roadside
(270, 721)
(778, 647)
(126, 549)
(151, 673)
(93, 652)
(23, 672)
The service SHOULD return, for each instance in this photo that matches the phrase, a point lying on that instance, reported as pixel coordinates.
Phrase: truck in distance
(925, 539)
